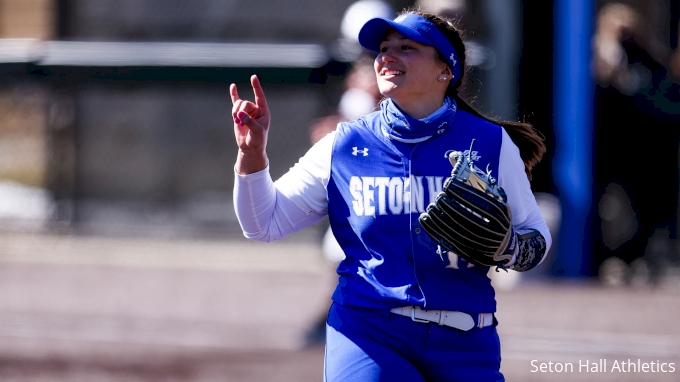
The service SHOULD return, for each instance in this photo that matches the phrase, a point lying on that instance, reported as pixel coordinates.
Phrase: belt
(454, 319)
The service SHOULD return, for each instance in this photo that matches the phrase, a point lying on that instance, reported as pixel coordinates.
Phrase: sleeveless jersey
(376, 191)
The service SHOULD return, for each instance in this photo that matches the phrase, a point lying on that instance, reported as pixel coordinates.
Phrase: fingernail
(236, 120)
(241, 115)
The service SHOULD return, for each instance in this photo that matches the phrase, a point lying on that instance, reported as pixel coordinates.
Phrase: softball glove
(471, 217)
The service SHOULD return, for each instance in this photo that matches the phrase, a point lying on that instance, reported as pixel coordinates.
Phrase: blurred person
(395, 293)
(635, 92)
(353, 19)
(360, 97)
(614, 24)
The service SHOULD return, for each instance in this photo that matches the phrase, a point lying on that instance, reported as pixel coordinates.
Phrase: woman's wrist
(248, 162)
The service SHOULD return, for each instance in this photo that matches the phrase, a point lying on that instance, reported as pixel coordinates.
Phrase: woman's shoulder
(468, 117)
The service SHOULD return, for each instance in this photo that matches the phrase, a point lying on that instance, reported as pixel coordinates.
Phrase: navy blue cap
(414, 27)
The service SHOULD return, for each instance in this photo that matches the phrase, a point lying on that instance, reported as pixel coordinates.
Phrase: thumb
(252, 124)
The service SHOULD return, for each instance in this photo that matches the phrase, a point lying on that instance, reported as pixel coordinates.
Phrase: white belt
(458, 320)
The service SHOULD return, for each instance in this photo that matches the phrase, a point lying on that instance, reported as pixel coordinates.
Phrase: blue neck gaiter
(401, 127)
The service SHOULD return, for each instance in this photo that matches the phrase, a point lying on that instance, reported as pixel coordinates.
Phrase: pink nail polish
(236, 120)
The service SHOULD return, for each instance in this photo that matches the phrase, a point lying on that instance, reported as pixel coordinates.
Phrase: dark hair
(529, 141)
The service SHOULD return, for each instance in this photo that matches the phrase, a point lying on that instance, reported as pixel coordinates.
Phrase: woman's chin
(389, 90)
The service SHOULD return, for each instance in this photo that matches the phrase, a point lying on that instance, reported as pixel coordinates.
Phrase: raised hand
(251, 128)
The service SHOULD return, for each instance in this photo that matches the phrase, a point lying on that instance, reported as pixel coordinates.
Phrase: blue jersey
(377, 189)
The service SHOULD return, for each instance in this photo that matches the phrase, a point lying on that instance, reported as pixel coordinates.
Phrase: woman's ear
(446, 71)
(445, 74)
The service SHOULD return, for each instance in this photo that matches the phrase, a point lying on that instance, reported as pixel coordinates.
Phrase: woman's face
(407, 70)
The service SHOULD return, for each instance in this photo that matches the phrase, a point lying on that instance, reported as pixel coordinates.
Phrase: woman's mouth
(390, 72)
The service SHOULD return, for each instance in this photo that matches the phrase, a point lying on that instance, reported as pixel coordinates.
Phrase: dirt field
(93, 309)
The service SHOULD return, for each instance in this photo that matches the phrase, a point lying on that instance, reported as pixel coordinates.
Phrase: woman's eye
(405, 47)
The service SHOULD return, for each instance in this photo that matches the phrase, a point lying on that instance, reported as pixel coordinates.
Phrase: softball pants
(371, 345)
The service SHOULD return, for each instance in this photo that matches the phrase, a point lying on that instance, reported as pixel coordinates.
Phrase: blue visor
(414, 27)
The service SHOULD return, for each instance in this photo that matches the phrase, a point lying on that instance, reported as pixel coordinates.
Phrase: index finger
(234, 93)
(260, 99)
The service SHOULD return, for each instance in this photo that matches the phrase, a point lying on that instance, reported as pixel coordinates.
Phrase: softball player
(401, 311)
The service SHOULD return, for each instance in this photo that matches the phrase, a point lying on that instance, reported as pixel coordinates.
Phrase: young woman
(400, 311)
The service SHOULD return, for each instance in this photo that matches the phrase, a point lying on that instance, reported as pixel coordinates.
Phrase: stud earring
(442, 78)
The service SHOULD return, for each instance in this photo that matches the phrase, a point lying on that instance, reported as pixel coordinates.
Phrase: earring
(442, 78)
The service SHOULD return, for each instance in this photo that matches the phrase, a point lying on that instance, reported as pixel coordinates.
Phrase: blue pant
(370, 345)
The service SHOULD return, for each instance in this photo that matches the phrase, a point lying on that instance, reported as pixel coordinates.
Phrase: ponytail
(531, 143)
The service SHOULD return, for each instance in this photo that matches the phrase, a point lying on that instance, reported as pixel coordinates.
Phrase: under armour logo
(453, 59)
(356, 151)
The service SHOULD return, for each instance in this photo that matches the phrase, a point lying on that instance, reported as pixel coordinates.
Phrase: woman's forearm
(249, 162)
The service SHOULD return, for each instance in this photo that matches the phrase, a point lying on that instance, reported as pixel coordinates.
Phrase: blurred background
(120, 254)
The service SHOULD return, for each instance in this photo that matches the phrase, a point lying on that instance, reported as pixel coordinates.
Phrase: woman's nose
(387, 57)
